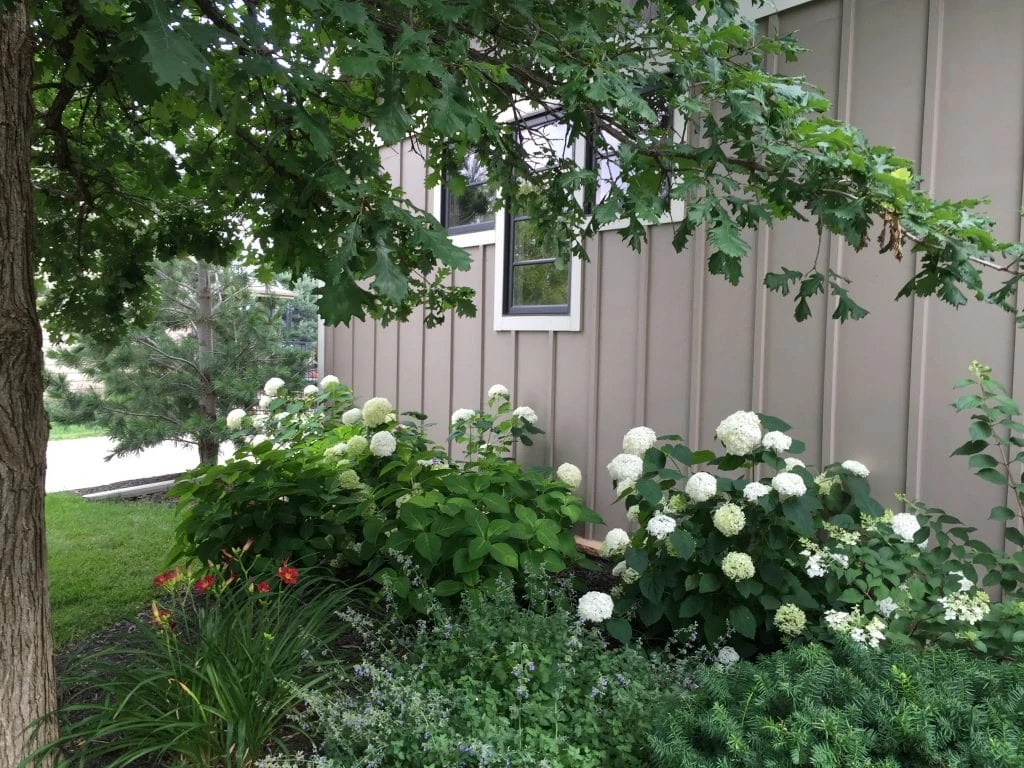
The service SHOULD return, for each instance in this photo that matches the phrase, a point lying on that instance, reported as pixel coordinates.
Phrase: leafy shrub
(799, 556)
(210, 681)
(851, 709)
(322, 482)
(499, 684)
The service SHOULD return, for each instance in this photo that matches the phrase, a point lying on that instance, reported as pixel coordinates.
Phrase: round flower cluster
(263, 402)
(310, 389)
(337, 450)
(729, 519)
(462, 414)
(727, 656)
(776, 441)
(234, 419)
(382, 444)
(738, 566)
(595, 607)
(273, 386)
(791, 462)
(615, 542)
(624, 572)
(638, 440)
(498, 390)
(905, 525)
(357, 446)
(789, 485)
(569, 474)
(633, 513)
(740, 432)
(349, 480)
(754, 491)
(351, 416)
(870, 634)
(329, 381)
(964, 606)
(701, 486)
(887, 607)
(625, 469)
(526, 413)
(660, 526)
(855, 468)
(790, 619)
(378, 411)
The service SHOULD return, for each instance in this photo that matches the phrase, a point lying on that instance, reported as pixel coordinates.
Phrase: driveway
(74, 464)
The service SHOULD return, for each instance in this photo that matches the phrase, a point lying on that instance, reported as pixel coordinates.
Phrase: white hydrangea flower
(701, 486)
(625, 469)
(754, 491)
(625, 573)
(790, 619)
(257, 439)
(462, 414)
(310, 389)
(273, 386)
(738, 566)
(788, 485)
(336, 450)
(815, 566)
(328, 381)
(727, 656)
(776, 441)
(526, 413)
(791, 462)
(569, 474)
(234, 419)
(349, 480)
(595, 607)
(965, 583)
(498, 390)
(855, 468)
(615, 542)
(966, 607)
(729, 519)
(351, 416)
(638, 440)
(260, 420)
(633, 513)
(378, 411)
(905, 525)
(740, 432)
(357, 446)
(383, 444)
(660, 526)
(887, 607)
(263, 402)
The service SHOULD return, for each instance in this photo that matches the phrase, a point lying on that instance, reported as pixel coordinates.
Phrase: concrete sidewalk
(74, 464)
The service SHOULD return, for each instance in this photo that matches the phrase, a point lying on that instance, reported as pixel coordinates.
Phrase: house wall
(666, 345)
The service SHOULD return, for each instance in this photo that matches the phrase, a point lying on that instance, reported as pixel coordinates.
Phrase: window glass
(606, 159)
(473, 209)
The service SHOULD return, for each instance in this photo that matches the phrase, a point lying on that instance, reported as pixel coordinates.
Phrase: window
(473, 209)
(749, 11)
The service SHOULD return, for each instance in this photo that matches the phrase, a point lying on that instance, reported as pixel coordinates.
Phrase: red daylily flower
(263, 586)
(167, 577)
(287, 574)
(160, 617)
(205, 583)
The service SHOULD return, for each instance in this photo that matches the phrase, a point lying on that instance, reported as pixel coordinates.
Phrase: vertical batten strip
(928, 165)
(594, 329)
(836, 245)
(643, 331)
(552, 433)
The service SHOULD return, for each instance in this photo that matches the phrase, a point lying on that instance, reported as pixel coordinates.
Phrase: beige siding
(667, 345)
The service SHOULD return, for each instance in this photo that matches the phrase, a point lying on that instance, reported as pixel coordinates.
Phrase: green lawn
(71, 431)
(103, 556)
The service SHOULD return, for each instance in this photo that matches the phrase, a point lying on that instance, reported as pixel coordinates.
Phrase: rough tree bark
(27, 678)
(208, 449)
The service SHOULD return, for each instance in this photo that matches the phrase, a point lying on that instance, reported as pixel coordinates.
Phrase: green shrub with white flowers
(316, 480)
(793, 556)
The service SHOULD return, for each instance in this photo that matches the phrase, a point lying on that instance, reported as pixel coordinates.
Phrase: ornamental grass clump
(796, 556)
(851, 708)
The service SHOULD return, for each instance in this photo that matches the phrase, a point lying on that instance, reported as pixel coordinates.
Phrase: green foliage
(161, 382)
(164, 131)
(847, 709)
(358, 490)
(212, 681)
(497, 684)
(86, 543)
(806, 557)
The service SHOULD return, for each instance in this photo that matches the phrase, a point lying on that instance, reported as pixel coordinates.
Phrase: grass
(72, 431)
(102, 559)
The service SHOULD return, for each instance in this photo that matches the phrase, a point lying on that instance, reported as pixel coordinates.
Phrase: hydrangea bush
(793, 555)
(318, 480)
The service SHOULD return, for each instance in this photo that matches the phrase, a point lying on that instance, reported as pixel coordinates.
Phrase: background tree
(209, 347)
(275, 112)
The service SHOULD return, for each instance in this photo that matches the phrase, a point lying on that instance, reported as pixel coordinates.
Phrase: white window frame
(770, 7)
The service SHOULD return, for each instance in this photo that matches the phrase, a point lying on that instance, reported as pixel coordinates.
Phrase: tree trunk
(27, 679)
(208, 449)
